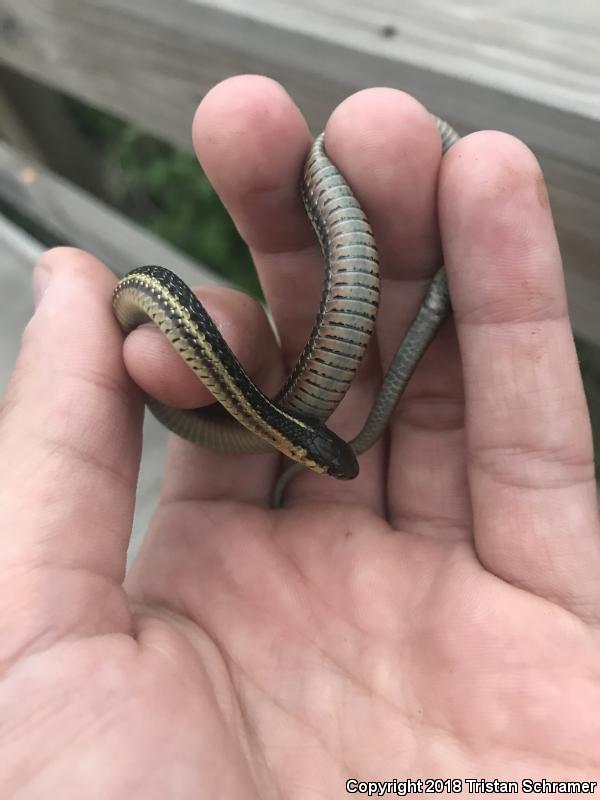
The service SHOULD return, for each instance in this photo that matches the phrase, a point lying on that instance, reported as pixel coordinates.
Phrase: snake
(243, 419)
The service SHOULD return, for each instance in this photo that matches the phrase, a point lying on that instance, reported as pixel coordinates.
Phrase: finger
(428, 486)
(70, 435)
(388, 147)
(156, 368)
(258, 178)
(385, 145)
(529, 440)
(252, 141)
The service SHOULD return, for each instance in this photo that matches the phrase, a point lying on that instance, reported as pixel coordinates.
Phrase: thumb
(70, 437)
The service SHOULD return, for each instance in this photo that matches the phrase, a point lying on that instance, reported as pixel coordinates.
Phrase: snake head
(334, 453)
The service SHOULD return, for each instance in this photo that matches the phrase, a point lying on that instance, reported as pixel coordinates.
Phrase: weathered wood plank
(531, 69)
(13, 128)
(19, 250)
(25, 108)
(82, 221)
(19, 254)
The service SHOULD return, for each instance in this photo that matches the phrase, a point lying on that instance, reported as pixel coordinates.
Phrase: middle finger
(260, 186)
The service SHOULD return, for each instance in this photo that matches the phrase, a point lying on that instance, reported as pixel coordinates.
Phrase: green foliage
(165, 190)
(183, 207)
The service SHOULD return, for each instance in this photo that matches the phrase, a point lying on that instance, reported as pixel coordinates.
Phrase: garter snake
(243, 419)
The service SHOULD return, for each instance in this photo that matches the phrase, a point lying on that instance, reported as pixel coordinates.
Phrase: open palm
(437, 617)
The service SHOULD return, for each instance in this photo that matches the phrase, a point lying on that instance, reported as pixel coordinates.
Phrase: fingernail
(41, 280)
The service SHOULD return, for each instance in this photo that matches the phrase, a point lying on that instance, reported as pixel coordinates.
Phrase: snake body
(293, 422)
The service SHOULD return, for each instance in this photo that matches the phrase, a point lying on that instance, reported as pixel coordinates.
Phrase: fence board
(80, 220)
(531, 69)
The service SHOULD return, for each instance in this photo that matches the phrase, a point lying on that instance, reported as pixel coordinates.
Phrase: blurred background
(97, 98)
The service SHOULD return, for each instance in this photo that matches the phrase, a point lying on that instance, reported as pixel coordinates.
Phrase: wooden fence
(532, 69)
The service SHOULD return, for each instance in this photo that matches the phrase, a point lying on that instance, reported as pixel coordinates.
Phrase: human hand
(436, 617)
